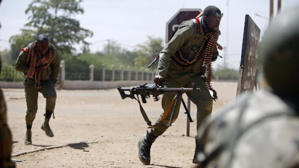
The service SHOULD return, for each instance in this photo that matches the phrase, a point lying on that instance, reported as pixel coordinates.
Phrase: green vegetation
(9, 74)
(225, 73)
(57, 19)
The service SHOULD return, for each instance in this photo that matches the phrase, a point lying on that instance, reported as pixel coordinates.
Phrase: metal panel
(247, 72)
(173, 23)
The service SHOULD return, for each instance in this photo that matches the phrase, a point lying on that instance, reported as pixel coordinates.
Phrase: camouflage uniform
(260, 129)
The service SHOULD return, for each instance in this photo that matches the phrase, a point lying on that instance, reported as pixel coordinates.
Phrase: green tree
(148, 51)
(113, 51)
(17, 41)
(55, 18)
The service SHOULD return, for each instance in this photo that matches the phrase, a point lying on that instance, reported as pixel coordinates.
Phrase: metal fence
(81, 73)
(9, 74)
(88, 74)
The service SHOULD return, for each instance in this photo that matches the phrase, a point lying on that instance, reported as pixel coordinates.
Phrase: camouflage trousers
(201, 99)
(31, 93)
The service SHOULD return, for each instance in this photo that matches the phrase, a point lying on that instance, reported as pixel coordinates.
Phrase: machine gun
(146, 90)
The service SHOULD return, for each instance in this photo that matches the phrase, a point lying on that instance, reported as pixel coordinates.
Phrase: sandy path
(101, 130)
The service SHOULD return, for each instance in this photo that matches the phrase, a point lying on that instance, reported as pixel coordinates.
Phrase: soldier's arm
(184, 33)
(55, 65)
(21, 62)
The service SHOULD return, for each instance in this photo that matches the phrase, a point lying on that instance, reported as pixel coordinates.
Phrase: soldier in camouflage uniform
(260, 129)
(185, 60)
(40, 64)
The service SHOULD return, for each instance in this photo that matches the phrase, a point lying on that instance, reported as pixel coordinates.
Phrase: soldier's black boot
(144, 148)
(46, 126)
(28, 140)
(195, 155)
(198, 151)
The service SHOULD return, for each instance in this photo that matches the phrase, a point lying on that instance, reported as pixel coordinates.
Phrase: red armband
(23, 49)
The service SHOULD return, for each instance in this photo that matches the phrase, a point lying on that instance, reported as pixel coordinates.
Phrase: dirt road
(96, 128)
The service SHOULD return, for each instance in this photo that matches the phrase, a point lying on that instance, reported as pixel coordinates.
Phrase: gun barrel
(178, 89)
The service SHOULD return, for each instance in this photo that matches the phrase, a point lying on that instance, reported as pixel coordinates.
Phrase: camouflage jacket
(258, 130)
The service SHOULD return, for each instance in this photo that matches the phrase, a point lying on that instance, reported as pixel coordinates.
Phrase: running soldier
(40, 64)
(185, 60)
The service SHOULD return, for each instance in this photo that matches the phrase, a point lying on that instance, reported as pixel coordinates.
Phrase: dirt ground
(96, 128)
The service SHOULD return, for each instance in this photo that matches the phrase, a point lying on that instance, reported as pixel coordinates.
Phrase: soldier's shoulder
(26, 48)
(189, 23)
(249, 110)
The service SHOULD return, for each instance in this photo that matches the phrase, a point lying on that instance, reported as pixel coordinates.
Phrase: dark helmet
(280, 52)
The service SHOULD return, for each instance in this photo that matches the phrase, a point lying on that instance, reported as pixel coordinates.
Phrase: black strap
(148, 122)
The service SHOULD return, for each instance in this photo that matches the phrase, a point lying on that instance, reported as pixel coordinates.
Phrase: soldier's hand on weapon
(39, 68)
(159, 80)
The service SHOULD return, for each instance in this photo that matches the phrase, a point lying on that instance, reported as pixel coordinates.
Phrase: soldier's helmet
(280, 52)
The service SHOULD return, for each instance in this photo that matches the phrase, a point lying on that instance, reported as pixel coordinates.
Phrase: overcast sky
(129, 22)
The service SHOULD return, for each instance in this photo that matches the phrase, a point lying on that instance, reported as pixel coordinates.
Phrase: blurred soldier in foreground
(186, 58)
(5, 134)
(40, 64)
(260, 129)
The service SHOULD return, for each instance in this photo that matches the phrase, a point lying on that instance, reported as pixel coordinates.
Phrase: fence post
(153, 76)
(129, 73)
(147, 75)
(103, 73)
(113, 72)
(136, 75)
(121, 73)
(62, 71)
(91, 73)
(142, 73)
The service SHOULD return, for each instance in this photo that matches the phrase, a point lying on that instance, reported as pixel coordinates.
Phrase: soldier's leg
(31, 94)
(163, 126)
(48, 91)
(203, 101)
(144, 145)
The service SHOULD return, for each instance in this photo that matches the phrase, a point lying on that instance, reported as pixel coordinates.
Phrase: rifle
(146, 90)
